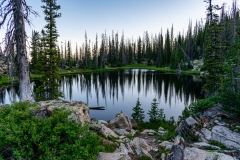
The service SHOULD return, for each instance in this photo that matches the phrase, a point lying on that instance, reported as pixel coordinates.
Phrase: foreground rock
(79, 111)
(226, 136)
(198, 154)
(112, 156)
(100, 127)
(122, 121)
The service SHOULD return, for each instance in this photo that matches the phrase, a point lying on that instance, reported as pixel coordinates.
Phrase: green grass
(4, 80)
(219, 144)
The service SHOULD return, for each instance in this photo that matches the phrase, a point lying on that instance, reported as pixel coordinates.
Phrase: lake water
(118, 91)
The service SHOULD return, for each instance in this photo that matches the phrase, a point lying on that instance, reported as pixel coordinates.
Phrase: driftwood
(97, 108)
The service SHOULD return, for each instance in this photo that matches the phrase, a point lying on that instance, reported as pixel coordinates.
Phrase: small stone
(160, 129)
(163, 156)
(150, 134)
(103, 122)
(155, 149)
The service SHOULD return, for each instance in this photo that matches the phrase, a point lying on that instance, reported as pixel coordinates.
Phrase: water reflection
(119, 90)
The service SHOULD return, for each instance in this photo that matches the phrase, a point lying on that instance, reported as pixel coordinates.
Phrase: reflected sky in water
(118, 91)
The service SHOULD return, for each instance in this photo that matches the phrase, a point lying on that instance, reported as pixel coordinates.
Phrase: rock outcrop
(79, 111)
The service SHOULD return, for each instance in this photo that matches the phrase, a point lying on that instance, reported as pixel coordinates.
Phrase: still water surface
(118, 91)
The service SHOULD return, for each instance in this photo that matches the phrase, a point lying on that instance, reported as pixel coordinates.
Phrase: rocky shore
(214, 135)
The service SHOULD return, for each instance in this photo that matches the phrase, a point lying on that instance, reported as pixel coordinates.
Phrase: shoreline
(5, 80)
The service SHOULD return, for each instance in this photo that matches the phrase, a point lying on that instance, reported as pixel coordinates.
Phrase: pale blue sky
(132, 16)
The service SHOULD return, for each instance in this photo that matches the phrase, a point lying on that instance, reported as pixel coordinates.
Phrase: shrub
(54, 137)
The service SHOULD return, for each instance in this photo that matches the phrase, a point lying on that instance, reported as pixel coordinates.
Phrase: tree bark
(20, 38)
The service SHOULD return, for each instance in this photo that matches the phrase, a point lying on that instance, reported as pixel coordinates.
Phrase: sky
(131, 16)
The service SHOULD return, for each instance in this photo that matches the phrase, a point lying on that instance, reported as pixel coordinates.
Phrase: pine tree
(213, 60)
(138, 113)
(139, 50)
(50, 87)
(69, 55)
(35, 49)
(167, 49)
(154, 112)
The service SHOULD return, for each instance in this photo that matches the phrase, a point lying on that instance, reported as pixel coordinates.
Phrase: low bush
(23, 136)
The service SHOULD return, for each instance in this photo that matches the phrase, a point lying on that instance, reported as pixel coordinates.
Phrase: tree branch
(5, 16)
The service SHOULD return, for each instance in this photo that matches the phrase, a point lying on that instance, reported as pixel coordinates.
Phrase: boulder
(140, 147)
(191, 121)
(112, 156)
(99, 127)
(139, 142)
(123, 149)
(79, 111)
(214, 111)
(166, 145)
(177, 150)
(207, 133)
(226, 136)
(121, 121)
(198, 154)
(122, 132)
(185, 126)
(149, 132)
(107, 131)
(204, 145)
(103, 122)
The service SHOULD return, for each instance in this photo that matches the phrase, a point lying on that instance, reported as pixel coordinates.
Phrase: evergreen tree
(138, 113)
(154, 112)
(213, 60)
(95, 54)
(69, 55)
(167, 49)
(50, 87)
(139, 50)
(35, 49)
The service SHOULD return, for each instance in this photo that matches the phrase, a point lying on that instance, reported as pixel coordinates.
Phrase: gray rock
(227, 137)
(148, 132)
(107, 131)
(155, 149)
(191, 121)
(123, 149)
(198, 154)
(140, 142)
(140, 151)
(160, 129)
(166, 145)
(122, 132)
(112, 156)
(177, 149)
(214, 111)
(121, 121)
(163, 156)
(207, 133)
(103, 122)
(204, 145)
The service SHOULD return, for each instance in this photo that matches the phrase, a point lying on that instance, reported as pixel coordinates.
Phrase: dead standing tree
(14, 13)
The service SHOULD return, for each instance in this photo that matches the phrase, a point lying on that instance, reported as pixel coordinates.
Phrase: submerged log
(97, 108)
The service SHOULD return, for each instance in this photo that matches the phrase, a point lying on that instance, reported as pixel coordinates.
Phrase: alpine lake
(118, 90)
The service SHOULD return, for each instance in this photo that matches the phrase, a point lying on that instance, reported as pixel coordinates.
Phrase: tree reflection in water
(119, 90)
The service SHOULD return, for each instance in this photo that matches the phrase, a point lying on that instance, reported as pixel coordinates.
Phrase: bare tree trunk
(20, 38)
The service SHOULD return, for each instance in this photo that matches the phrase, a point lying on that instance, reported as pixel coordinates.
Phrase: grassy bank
(132, 66)
(4, 80)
